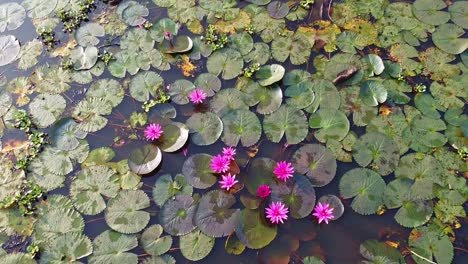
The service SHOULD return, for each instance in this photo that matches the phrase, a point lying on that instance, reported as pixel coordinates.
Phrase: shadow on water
(339, 241)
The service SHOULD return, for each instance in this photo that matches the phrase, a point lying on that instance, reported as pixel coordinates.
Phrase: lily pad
(209, 83)
(87, 35)
(195, 245)
(316, 162)
(367, 188)
(332, 124)
(90, 185)
(252, 231)
(431, 243)
(270, 74)
(145, 84)
(278, 9)
(429, 11)
(449, 38)
(84, 58)
(180, 90)
(298, 195)
(144, 160)
(206, 128)
(111, 247)
(71, 246)
(198, 172)
(65, 135)
(241, 125)
(373, 92)
(457, 13)
(132, 12)
(286, 121)
(227, 100)
(335, 203)
(378, 151)
(227, 62)
(166, 188)
(39, 8)
(260, 172)
(174, 138)
(152, 241)
(124, 212)
(46, 108)
(180, 44)
(9, 49)
(177, 215)
(12, 16)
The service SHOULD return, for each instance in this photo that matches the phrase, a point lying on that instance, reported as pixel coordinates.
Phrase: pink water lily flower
(323, 212)
(197, 96)
(283, 170)
(277, 212)
(228, 181)
(229, 152)
(263, 191)
(220, 164)
(153, 132)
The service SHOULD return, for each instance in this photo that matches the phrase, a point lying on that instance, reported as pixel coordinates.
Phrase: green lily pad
(252, 231)
(180, 44)
(87, 35)
(144, 160)
(214, 215)
(260, 172)
(278, 9)
(376, 64)
(198, 172)
(286, 121)
(458, 13)
(259, 54)
(65, 134)
(145, 84)
(228, 100)
(14, 258)
(177, 215)
(89, 112)
(332, 124)
(12, 16)
(39, 8)
(162, 26)
(428, 105)
(380, 252)
(297, 46)
(298, 195)
(111, 247)
(449, 38)
(378, 151)
(326, 96)
(268, 99)
(124, 212)
(164, 259)
(208, 82)
(316, 162)
(429, 11)
(373, 92)
(166, 188)
(227, 62)
(152, 241)
(46, 108)
(9, 49)
(241, 125)
(29, 53)
(269, 74)
(132, 12)
(195, 245)
(180, 90)
(206, 128)
(233, 245)
(312, 260)
(108, 90)
(367, 188)
(90, 185)
(71, 246)
(242, 42)
(174, 138)
(431, 243)
(84, 58)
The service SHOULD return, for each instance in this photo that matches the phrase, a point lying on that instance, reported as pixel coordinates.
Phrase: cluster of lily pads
(379, 85)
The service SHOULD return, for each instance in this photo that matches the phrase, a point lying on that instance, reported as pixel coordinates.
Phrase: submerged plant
(277, 212)
(284, 170)
(153, 132)
(323, 212)
(228, 181)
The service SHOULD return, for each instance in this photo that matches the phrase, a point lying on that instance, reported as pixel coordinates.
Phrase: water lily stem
(421, 257)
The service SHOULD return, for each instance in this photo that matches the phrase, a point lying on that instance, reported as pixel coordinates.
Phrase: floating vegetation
(160, 131)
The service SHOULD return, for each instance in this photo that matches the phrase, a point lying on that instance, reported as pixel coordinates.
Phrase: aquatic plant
(263, 191)
(197, 96)
(153, 132)
(323, 212)
(220, 163)
(227, 181)
(283, 170)
(276, 212)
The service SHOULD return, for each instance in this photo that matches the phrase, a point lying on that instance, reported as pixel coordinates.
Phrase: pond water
(395, 126)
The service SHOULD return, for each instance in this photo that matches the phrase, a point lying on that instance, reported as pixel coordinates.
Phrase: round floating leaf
(367, 188)
(242, 42)
(177, 215)
(326, 96)
(335, 203)
(206, 128)
(15, 258)
(241, 125)
(12, 16)
(268, 98)
(260, 172)
(449, 38)
(428, 105)
(45, 108)
(298, 195)
(286, 121)
(431, 243)
(70, 246)
(252, 231)
(180, 44)
(195, 245)
(164, 259)
(163, 25)
(316, 162)
(198, 172)
(227, 62)
(278, 9)
(269, 74)
(132, 13)
(378, 151)
(29, 53)
(87, 35)
(301, 94)
(233, 245)
(228, 100)
(90, 185)
(144, 160)
(380, 252)
(332, 124)
(39, 8)
(180, 90)
(260, 54)
(174, 138)
(376, 64)
(165, 188)
(208, 82)
(123, 211)
(152, 241)
(110, 248)
(108, 90)
(65, 134)
(9, 49)
(373, 92)
(458, 12)
(214, 216)
(84, 58)
(428, 11)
